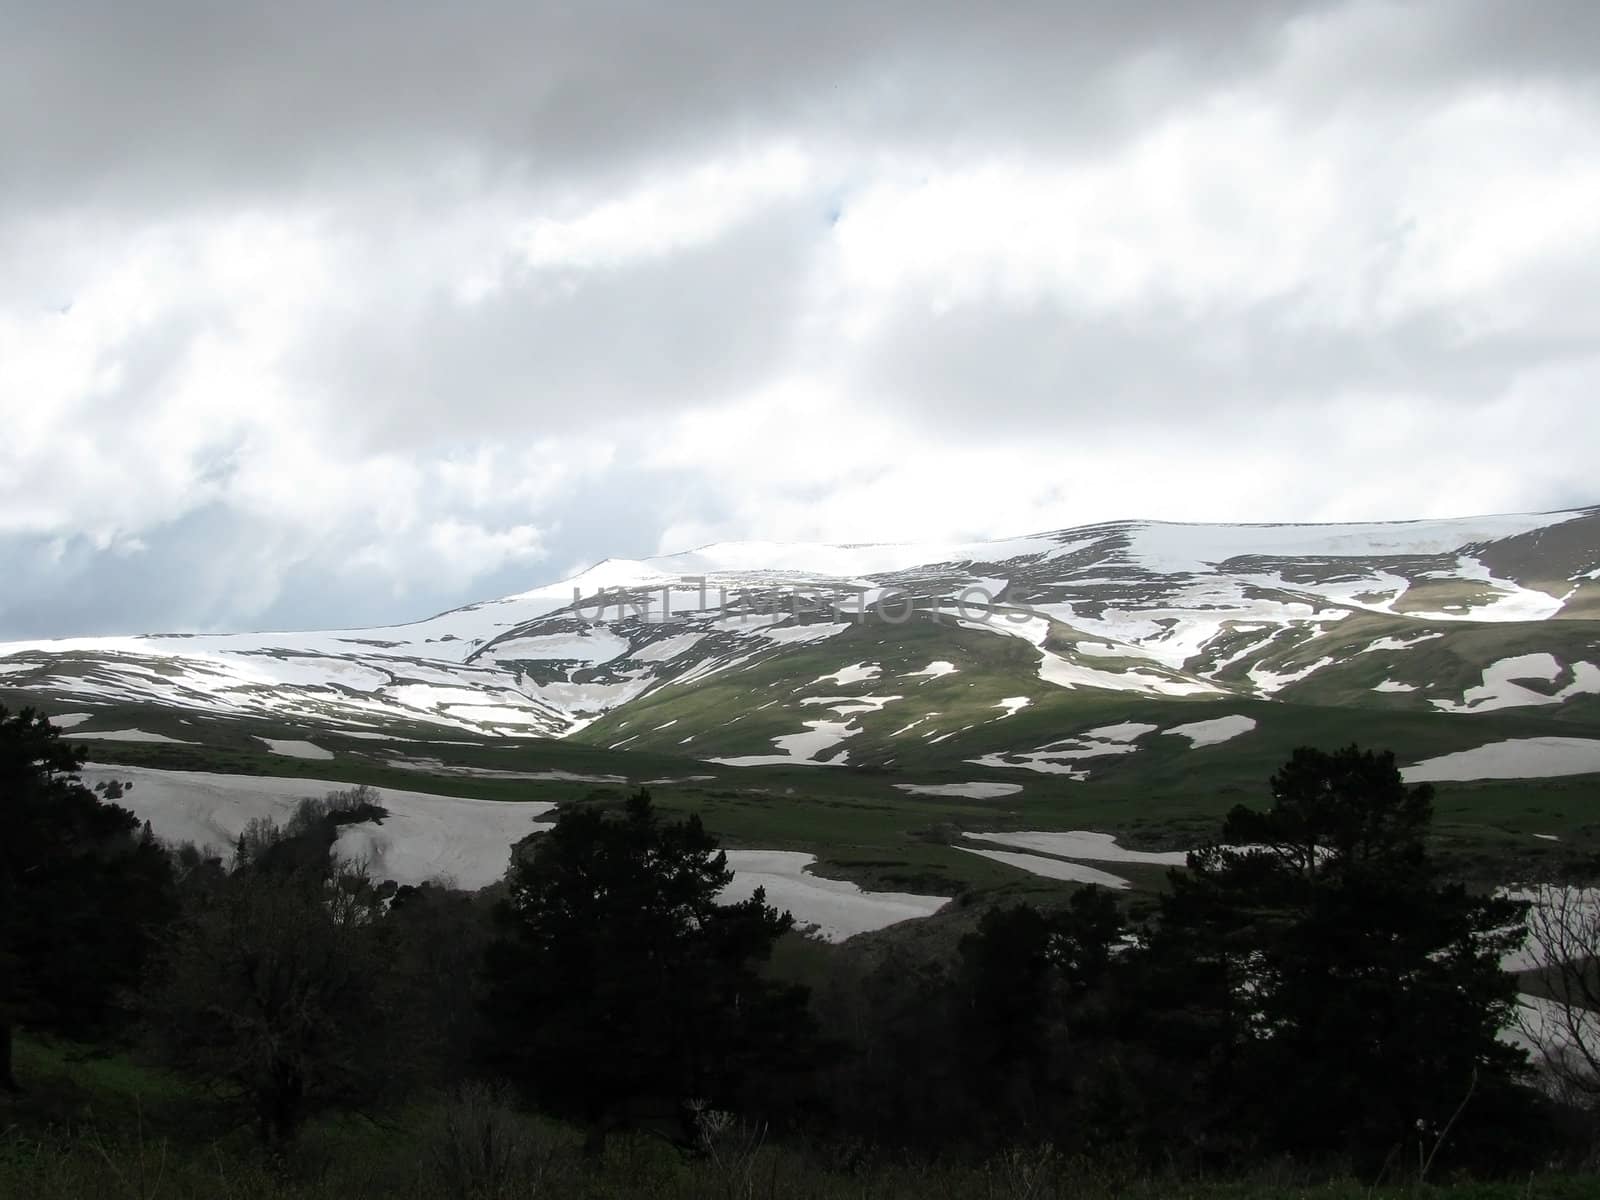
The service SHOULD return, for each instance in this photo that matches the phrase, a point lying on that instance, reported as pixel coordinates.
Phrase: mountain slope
(1031, 654)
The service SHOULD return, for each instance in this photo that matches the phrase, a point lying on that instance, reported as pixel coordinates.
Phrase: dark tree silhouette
(1024, 976)
(1336, 995)
(272, 984)
(83, 890)
(620, 991)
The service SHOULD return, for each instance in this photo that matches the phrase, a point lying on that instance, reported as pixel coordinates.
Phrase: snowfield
(467, 841)
(1269, 682)
(797, 749)
(845, 676)
(1125, 731)
(293, 749)
(435, 767)
(1055, 669)
(836, 908)
(977, 790)
(1172, 548)
(1158, 609)
(1551, 1034)
(1044, 764)
(1517, 758)
(1050, 868)
(1577, 908)
(425, 836)
(1081, 843)
(1214, 732)
(1501, 689)
(1058, 758)
(128, 735)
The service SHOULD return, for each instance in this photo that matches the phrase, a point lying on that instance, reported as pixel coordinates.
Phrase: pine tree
(1337, 996)
(1024, 976)
(83, 889)
(620, 990)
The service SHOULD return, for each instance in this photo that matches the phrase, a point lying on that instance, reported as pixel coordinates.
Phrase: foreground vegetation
(1314, 1014)
(105, 1126)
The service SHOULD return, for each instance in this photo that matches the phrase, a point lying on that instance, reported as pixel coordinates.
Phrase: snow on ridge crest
(516, 664)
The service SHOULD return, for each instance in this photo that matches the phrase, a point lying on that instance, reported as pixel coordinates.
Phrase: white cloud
(689, 208)
(839, 277)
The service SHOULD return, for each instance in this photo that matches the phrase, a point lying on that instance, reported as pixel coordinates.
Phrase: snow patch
(847, 706)
(1082, 843)
(1174, 549)
(845, 676)
(836, 908)
(1214, 732)
(976, 790)
(786, 634)
(1552, 1034)
(598, 645)
(294, 749)
(1270, 681)
(424, 836)
(1516, 758)
(1396, 643)
(1053, 668)
(1500, 688)
(800, 749)
(1050, 868)
(434, 766)
(667, 648)
(129, 735)
(1127, 731)
(1043, 764)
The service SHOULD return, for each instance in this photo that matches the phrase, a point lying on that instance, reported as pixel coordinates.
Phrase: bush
(483, 1149)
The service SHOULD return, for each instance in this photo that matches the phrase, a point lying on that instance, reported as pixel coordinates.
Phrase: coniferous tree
(1025, 974)
(620, 990)
(83, 889)
(1334, 995)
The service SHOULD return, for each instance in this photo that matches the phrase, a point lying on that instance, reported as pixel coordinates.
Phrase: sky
(325, 316)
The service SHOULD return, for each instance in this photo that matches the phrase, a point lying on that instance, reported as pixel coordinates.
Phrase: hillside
(1429, 616)
(874, 704)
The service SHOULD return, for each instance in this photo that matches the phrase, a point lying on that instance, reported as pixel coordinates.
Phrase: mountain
(1057, 653)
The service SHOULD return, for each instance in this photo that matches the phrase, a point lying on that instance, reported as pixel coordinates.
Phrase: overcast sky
(320, 315)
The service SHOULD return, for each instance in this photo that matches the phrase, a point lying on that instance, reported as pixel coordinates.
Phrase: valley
(885, 708)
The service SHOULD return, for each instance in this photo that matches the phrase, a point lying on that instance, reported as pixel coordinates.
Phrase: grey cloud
(564, 349)
(392, 115)
(215, 569)
(1065, 369)
(105, 101)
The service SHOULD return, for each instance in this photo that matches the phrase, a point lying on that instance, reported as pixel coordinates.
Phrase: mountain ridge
(1175, 612)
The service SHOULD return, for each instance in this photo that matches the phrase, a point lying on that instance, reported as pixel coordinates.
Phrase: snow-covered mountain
(760, 651)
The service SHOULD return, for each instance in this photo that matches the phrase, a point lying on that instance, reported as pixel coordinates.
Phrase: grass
(1164, 795)
(104, 1126)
